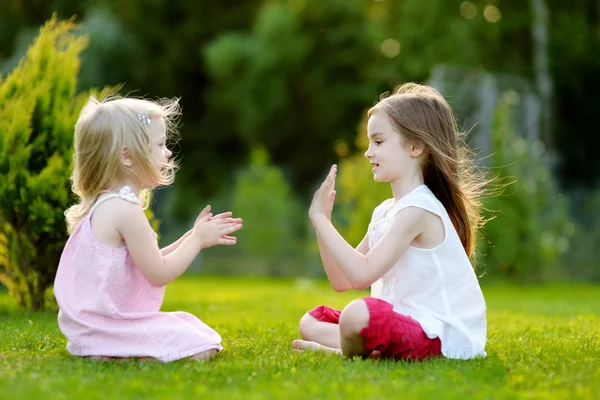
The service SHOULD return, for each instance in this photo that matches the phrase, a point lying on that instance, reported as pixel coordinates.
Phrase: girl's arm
(160, 270)
(336, 276)
(170, 248)
(362, 270)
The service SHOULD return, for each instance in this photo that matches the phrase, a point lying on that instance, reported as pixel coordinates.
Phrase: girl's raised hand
(322, 203)
(211, 231)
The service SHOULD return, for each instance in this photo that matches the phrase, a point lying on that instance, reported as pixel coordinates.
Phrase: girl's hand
(322, 203)
(211, 231)
(203, 214)
(206, 211)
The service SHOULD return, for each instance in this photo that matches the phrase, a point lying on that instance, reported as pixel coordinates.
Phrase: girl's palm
(324, 198)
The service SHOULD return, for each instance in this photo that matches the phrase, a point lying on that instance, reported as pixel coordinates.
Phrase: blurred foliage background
(275, 91)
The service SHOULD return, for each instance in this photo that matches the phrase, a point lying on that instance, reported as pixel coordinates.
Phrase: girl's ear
(416, 148)
(126, 158)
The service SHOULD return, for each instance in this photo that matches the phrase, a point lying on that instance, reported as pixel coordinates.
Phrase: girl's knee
(354, 318)
(307, 323)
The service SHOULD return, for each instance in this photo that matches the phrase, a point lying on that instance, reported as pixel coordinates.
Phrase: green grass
(544, 342)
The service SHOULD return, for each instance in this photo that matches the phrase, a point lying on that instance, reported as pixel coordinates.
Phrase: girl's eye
(378, 142)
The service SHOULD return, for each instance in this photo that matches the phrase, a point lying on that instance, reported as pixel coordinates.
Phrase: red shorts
(393, 335)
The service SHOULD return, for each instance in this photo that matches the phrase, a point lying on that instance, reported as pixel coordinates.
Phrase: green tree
(530, 226)
(271, 215)
(38, 109)
(296, 81)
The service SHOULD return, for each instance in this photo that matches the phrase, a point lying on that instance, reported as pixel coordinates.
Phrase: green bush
(271, 217)
(581, 261)
(530, 226)
(38, 109)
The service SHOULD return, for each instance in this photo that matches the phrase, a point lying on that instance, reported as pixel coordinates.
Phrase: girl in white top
(425, 298)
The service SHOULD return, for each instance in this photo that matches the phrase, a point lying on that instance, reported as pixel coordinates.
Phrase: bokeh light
(468, 10)
(491, 13)
(390, 48)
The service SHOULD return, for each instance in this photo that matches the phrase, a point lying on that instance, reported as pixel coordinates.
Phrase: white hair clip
(144, 118)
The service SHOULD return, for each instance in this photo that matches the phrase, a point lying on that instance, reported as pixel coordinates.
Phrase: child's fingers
(230, 228)
(204, 218)
(223, 215)
(331, 176)
(222, 221)
(226, 221)
(202, 214)
(333, 171)
(227, 241)
(205, 211)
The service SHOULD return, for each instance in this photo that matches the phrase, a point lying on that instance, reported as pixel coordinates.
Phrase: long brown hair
(420, 113)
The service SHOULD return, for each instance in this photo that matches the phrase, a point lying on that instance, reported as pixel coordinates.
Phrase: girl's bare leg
(344, 338)
(355, 317)
(317, 335)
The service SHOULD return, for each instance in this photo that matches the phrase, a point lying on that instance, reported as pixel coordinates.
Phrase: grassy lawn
(544, 342)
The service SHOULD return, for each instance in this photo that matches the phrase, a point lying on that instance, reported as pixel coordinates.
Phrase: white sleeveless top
(437, 287)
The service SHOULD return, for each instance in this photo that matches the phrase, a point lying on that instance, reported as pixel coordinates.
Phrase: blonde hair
(420, 113)
(102, 130)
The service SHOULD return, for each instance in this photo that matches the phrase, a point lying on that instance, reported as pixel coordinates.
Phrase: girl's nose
(169, 154)
(368, 153)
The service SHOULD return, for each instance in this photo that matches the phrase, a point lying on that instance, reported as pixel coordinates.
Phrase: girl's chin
(378, 178)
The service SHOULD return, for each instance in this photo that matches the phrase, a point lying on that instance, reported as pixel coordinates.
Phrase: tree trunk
(539, 32)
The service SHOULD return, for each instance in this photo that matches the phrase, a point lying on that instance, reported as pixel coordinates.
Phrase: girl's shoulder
(421, 197)
(113, 211)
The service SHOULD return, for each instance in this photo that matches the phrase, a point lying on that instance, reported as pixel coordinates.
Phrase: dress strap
(125, 193)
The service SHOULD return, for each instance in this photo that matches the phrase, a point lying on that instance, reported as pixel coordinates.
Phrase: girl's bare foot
(375, 355)
(205, 355)
(305, 345)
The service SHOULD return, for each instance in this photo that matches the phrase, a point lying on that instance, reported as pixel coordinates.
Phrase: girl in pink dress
(111, 277)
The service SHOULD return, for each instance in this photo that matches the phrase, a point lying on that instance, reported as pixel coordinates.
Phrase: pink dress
(108, 308)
